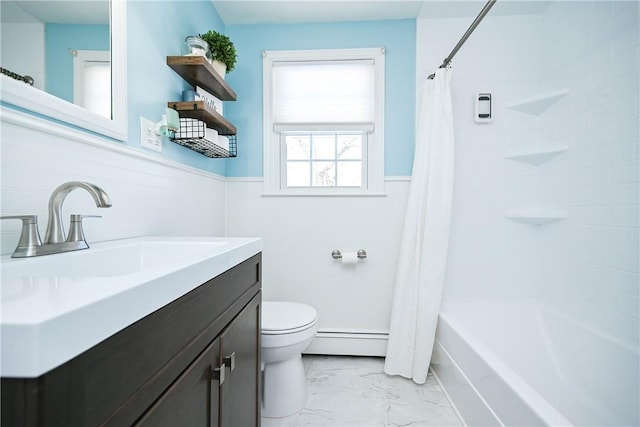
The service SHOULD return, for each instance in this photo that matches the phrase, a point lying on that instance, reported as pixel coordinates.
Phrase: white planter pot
(220, 67)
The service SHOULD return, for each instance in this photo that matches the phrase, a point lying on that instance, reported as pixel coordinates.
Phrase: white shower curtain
(425, 237)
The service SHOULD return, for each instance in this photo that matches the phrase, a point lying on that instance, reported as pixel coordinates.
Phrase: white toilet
(287, 329)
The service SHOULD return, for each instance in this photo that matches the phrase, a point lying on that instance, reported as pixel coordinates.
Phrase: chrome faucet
(55, 239)
(55, 229)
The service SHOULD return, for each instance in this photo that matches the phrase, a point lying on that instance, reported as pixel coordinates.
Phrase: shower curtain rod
(487, 7)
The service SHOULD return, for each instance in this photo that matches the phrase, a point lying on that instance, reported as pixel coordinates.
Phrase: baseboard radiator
(351, 342)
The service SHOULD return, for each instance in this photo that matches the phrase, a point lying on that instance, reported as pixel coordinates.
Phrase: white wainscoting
(353, 301)
(155, 196)
(150, 194)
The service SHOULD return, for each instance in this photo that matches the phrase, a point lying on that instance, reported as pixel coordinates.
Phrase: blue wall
(59, 38)
(399, 39)
(156, 29)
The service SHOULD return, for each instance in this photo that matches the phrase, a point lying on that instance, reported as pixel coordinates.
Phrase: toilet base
(284, 389)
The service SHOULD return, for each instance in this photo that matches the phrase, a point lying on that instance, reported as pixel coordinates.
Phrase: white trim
(271, 140)
(353, 343)
(375, 156)
(43, 125)
(379, 333)
(271, 157)
(328, 192)
(324, 54)
(119, 56)
(38, 101)
(323, 127)
(400, 178)
(257, 179)
(390, 178)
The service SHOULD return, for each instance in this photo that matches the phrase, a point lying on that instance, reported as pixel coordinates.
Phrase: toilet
(287, 330)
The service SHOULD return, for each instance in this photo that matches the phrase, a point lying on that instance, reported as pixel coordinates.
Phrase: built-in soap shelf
(537, 215)
(536, 156)
(538, 104)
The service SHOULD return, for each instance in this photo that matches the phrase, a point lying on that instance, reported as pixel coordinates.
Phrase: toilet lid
(284, 316)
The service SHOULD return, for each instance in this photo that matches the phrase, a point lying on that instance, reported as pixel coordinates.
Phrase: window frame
(274, 160)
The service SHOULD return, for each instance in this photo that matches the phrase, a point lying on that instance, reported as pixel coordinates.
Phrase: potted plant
(223, 52)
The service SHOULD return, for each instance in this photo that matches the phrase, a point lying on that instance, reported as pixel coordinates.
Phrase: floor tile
(347, 391)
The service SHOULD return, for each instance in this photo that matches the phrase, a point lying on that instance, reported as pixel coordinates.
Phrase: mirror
(75, 51)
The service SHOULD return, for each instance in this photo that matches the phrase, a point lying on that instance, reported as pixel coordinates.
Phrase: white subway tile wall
(588, 264)
(592, 262)
(490, 256)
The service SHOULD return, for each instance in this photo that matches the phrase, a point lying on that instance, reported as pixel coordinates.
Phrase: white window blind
(92, 81)
(323, 92)
(97, 88)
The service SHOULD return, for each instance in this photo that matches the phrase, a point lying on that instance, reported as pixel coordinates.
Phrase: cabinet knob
(230, 361)
(218, 374)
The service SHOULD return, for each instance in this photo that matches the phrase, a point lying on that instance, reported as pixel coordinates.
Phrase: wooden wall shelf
(198, 72)
(201, 111)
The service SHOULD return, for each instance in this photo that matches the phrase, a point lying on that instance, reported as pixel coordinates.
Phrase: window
(323, 118)
(92, 81)
(323, 159)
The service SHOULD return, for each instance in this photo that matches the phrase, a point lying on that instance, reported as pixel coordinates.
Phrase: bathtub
(515, 363)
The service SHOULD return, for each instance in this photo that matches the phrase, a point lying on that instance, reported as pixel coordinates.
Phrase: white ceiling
(54, 11)
(298, 11)
(471, 8)
(306, 11)
(276, 11)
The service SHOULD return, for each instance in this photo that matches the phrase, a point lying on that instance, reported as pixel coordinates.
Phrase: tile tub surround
(353, 391)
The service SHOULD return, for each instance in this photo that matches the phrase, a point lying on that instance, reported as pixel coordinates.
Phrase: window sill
(324, 194)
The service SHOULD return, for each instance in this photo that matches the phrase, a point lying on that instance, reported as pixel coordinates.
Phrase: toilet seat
(286, 317)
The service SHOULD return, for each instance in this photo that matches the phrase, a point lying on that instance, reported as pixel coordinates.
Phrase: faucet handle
(30, 236)
(76, 233)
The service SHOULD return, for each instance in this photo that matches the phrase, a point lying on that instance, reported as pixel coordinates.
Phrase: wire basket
(194, 135)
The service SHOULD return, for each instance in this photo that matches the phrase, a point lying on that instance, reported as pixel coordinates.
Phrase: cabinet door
(192, 400)
(240, 392)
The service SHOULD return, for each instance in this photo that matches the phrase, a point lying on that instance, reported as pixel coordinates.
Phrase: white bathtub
(517, 364)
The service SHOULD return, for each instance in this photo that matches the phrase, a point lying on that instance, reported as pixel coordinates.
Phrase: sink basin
(114, 259)
(54, 307)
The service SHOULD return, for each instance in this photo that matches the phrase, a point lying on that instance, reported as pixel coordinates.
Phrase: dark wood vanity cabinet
(193, 399)
(194, 362)
(217, 389)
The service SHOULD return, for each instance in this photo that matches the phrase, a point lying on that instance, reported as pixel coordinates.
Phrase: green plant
(221, 48)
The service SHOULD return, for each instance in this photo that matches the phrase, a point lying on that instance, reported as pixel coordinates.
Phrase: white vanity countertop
(66, 303)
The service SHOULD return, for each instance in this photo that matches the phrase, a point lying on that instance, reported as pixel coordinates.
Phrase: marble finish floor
(347, 391)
